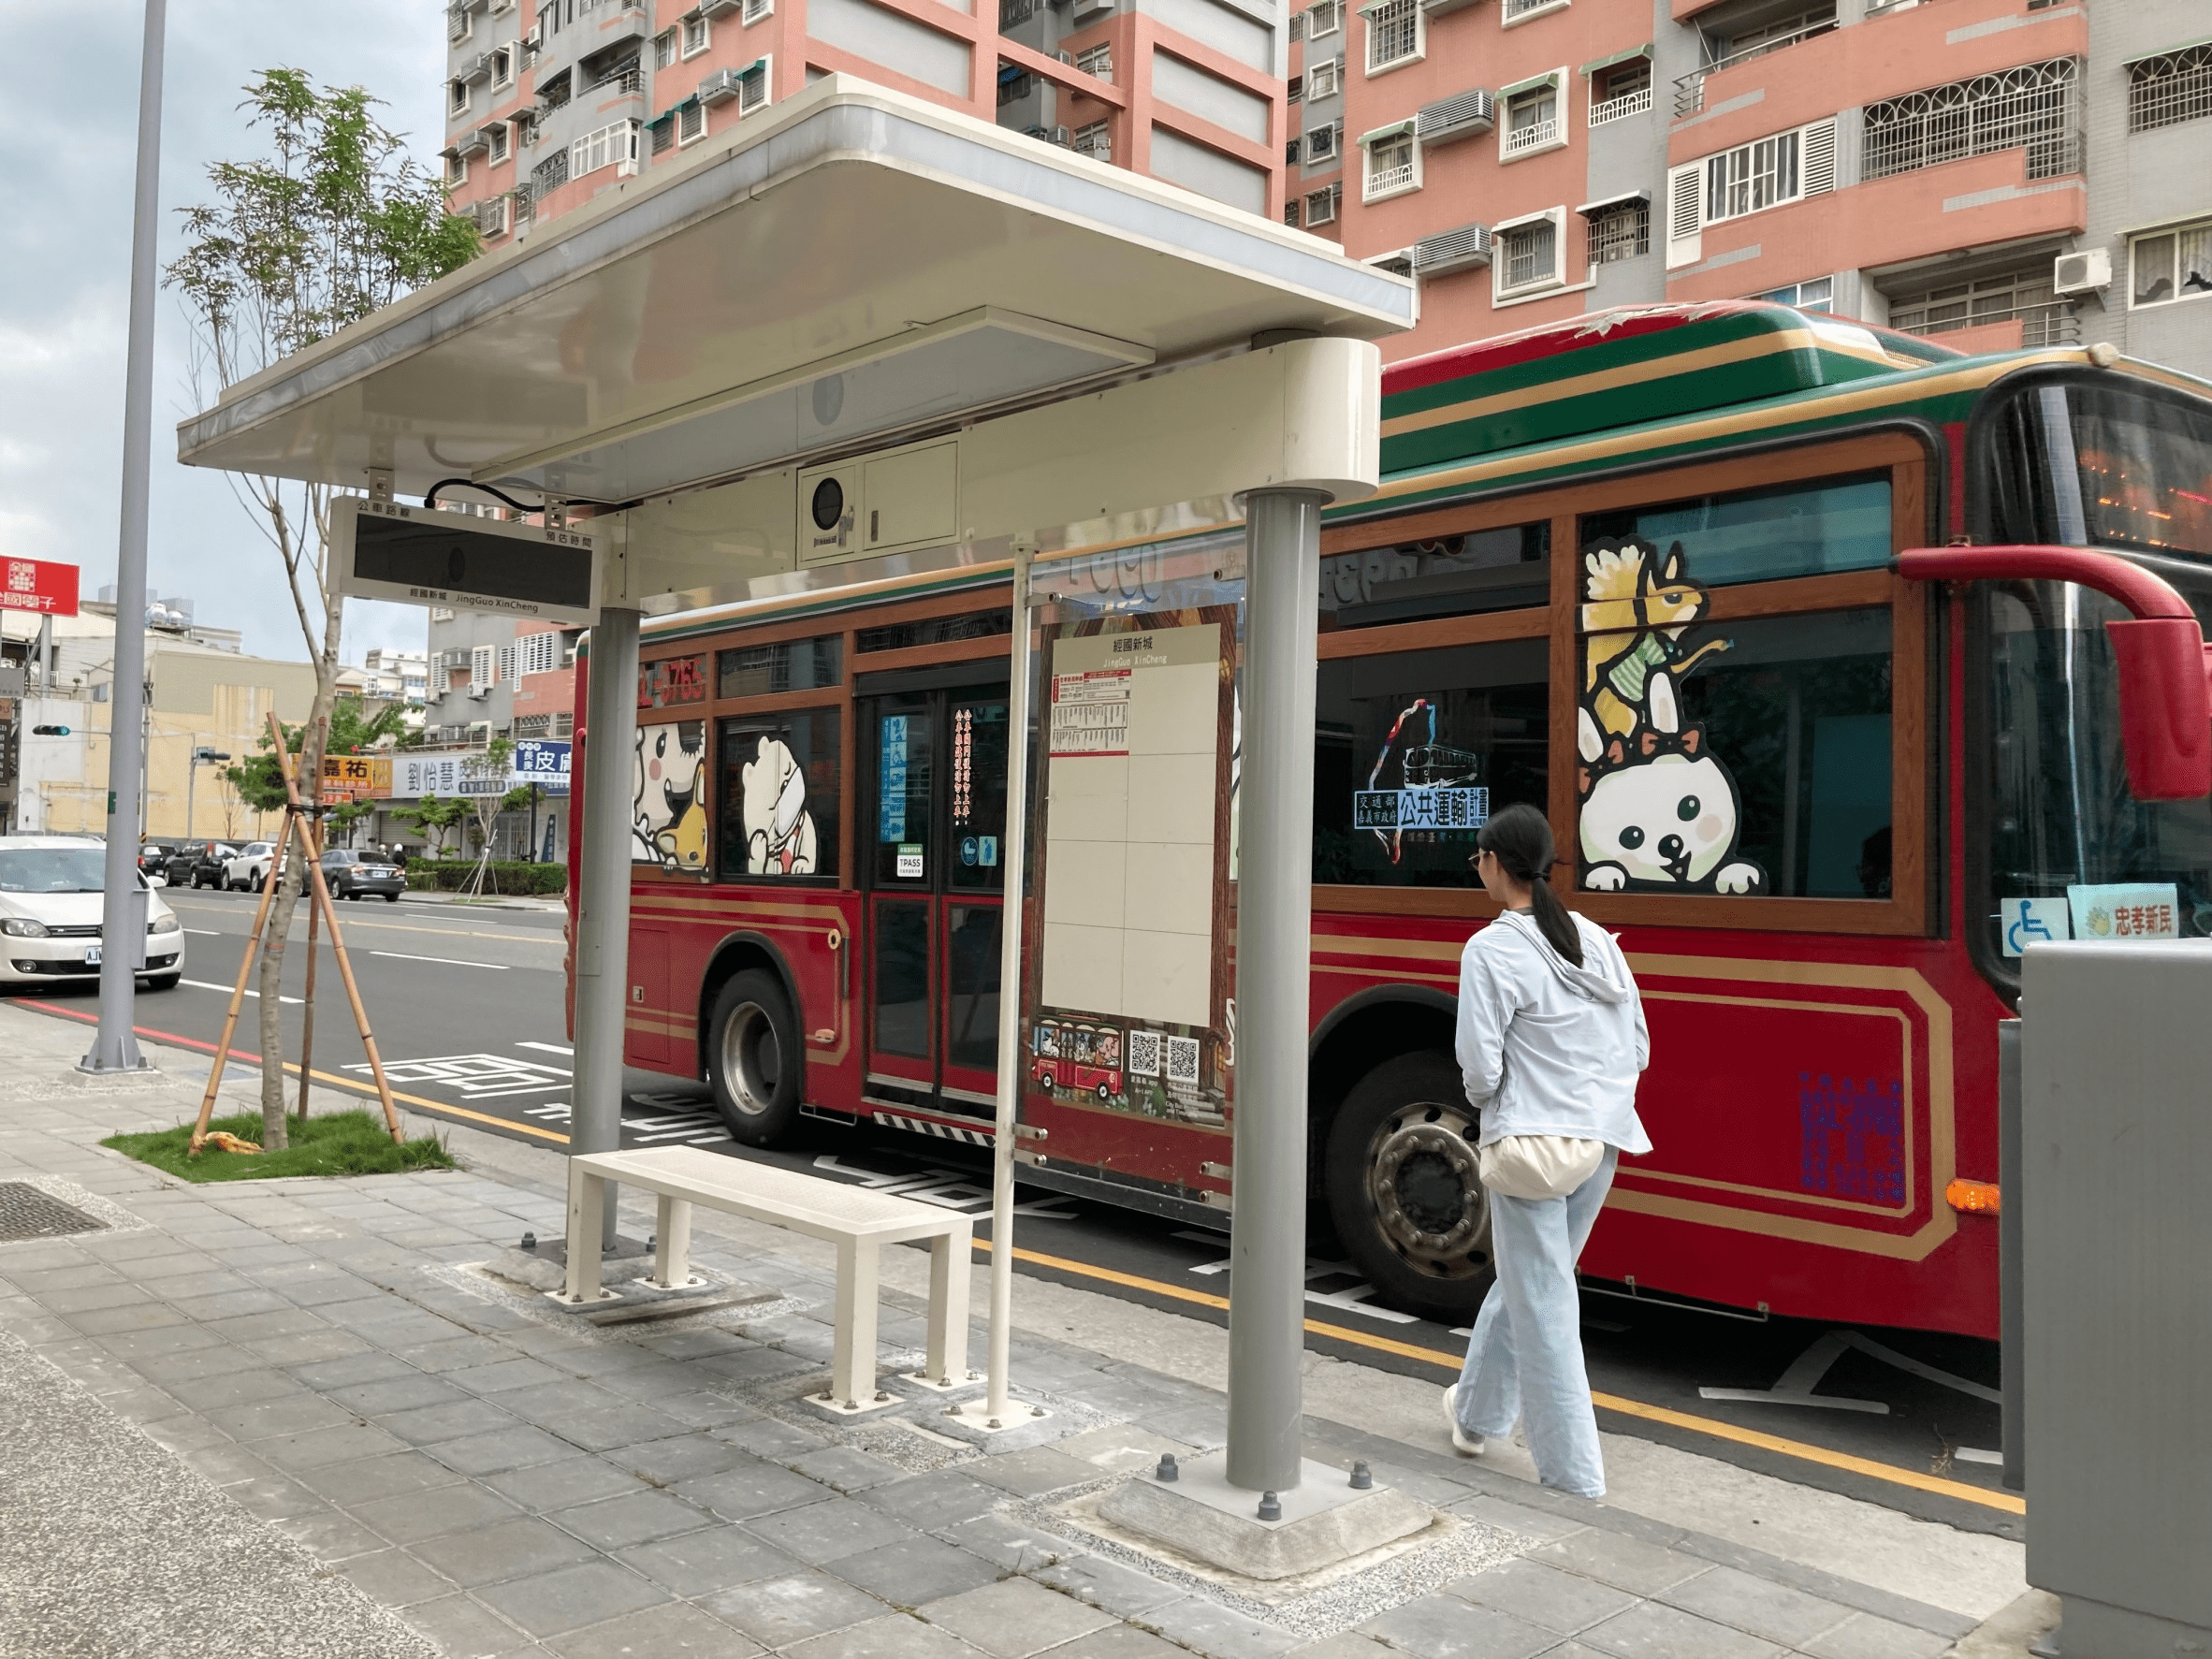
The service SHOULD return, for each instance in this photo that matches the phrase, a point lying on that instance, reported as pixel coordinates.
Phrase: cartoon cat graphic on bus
(779, 834)
(1660, 811)
(668, 796)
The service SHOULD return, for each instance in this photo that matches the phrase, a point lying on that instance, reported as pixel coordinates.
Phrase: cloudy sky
(69, 118)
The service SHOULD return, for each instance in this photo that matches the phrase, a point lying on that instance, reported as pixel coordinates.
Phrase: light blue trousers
(1524, 1361)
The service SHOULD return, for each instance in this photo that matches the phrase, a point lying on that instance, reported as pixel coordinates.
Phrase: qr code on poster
(1143, 1053)
(1183, 1060)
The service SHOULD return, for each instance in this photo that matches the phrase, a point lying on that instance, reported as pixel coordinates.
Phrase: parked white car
(246, 872)
(50, 917)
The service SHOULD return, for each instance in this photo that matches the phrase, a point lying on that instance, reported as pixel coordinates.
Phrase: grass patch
(336, 1143)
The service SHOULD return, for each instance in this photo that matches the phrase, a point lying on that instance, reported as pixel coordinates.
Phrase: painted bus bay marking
(1351, 1298)
(475, 1077)
(950, 1190)
(447, 961)
(1795, 1385)
(550, 1048)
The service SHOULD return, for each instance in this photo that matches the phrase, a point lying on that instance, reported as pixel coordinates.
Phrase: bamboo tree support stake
(307, 1023)
(238, 992)
(321, 899)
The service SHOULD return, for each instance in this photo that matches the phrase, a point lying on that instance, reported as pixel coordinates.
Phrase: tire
(391, 898)
(1102, 1094)
(1403, 1190)
(753, 1059)
(163, 981)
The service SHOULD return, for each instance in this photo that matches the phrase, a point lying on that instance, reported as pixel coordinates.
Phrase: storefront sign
(38, 585)
(545, 761)
(356, 778)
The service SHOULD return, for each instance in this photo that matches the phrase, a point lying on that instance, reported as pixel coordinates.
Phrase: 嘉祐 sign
(36, 584)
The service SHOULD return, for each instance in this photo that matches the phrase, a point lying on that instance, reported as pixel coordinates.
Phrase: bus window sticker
(668, 807)
(1439, 795)
(781, 838)
(1659, 810)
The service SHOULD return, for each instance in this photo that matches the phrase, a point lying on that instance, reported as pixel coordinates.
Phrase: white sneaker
(1466, 1445)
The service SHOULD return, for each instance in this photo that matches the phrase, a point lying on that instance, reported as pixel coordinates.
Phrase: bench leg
(672, 1253)
(951, 1256)
(852, 1378)
(586, 1202)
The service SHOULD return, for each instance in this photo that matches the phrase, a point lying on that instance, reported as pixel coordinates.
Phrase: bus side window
(779, 800)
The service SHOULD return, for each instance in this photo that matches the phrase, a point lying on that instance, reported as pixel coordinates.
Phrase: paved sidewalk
(364, 1435)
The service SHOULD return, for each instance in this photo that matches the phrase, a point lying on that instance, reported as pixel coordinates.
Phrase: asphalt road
(467, 1006)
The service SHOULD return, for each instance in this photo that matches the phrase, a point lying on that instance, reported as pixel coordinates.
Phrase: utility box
(2115, 1123)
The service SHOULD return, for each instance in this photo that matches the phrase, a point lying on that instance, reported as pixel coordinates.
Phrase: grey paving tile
(1624, 1563)
(519, 1547)
(453, 1353)
(1346, 1644)
(390, 1394)
(1518, 1519)
(412, 1517)
(509, 1448)
(679, 1457)
(274, 1496)
(501, 1376)
(1652, 1631)
(367, 1365)
(821, 1532)
(933, 1500)
(396, 1578)
(571, 1597)
(769, 1438)
(317, 1447)
(704, 1562)
(550, 1402)
(1541, 1594)
(457, 1420)
(223, 1304)
(329, 1535)
(1759, 1605)
(914, 1571)
(1013, 1617)
(751, 1489)
(463, 1627)
(135, 1348)
(134, 1319)
(1211, 1628)
(260, 1328)
(672, 1628)
(604, 1429)
(187, 1432)
(615, 1523)
(232, 1388)
(306, 1346)
(364, 1480)
(1446, 1627)
(846, 1468)
(289, 1413)
(995, 1538)
(1124, 1641)
(1864, 1636)
(1039, 1469)
(1122, 1590)
(894, 1636)
(562, 1484)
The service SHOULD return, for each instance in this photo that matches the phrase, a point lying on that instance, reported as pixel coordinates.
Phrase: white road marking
(448, 961)
(550, 1048)
(207, 986)
(205, 933)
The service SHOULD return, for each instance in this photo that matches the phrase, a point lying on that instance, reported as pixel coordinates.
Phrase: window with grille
(690, 121)
(1750, 177)
(1096, 61)
(565, 723)
(605, 148)
(1094, 141)
(2036, 108)
(506, 668)
(1620, 92)
(1391, 165)
(457, 167)
(457, 97)
(1290, 214)
(1393, 34)
(1321, 207)
(1294, 90)
(499, 140)
(537, 653)
(480, 667)
(1322, 78)
(2024, 294)
(663, 49)
(1620, 231)
(757, 9)
(2172, 264)
(664, 131)
(1324, 19)
(503, 67)
(694, 36)
(1532, 120)
(533, 725)
(752, 87)
(1320, 143)
(2169, 89)
(1529, 255)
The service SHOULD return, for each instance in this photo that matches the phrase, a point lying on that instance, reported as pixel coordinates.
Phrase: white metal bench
(858, 1220)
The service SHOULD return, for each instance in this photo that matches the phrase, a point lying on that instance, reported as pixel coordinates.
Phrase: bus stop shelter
(992, 344)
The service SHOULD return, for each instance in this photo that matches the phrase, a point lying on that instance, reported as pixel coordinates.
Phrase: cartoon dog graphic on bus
(668, 796)
(1660, 812)
(779, 834)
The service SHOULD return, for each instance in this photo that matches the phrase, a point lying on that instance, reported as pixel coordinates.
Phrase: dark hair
(1522, 840)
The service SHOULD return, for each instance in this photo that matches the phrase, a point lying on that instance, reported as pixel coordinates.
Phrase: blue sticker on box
(2033, 922)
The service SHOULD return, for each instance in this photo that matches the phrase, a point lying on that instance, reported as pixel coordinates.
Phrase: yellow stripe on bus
(2008, 1501)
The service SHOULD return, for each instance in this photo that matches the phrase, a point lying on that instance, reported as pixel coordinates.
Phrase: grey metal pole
(1274, 928)
(1011, 1067)
(46, 655)
(602, 867)
(115, 1048)
(2012, 1291)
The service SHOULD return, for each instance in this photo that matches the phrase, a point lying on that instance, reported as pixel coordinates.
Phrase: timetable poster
(1132, 991)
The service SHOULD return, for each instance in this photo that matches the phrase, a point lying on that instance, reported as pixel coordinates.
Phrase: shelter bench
(859, 1221)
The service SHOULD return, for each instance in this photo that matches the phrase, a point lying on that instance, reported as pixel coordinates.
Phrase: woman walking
(1551, 1039)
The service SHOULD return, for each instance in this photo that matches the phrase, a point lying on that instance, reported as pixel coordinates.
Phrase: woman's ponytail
(1521, 840)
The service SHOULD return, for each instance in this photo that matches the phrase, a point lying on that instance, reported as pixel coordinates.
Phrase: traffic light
(50, 731)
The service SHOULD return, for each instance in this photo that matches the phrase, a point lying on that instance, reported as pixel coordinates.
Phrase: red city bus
(1633, 568)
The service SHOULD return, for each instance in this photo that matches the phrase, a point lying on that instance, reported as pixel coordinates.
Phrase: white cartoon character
(668, 806)
(1662, 813)
(780, 836)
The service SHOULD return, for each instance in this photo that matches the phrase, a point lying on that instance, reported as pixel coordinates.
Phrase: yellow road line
(2008, 1501)
(359, 1087)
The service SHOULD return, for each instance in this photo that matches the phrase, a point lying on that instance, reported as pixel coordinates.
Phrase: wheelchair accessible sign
(2118, 910)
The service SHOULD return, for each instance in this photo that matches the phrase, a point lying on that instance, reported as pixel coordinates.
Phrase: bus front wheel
(1403, 1188)
(753, 1059)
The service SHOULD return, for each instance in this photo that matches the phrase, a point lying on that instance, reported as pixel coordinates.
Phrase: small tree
(434, 818)
(489, 766)
(342, 818)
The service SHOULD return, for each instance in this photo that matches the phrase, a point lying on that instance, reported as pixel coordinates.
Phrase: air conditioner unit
(471, 143)
(720, 87)
(499, 6)
(2089, 271)
(1083, 11)
(715, 8)
(457, 23)
(1459, 117)
(1050, 134)
(478, 70)
(1440, 8)
(1455, 250)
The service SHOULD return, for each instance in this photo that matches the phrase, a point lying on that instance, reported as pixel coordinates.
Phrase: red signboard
(34, 585)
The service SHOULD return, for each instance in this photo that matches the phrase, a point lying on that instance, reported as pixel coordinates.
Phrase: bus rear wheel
(1403, 1188)
(753, 1059)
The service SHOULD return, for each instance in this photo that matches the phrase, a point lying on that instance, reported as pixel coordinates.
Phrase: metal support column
(602, 871)
(123, 929)
(1275, 912)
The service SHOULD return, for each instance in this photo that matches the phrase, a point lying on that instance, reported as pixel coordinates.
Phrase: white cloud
(64, 274)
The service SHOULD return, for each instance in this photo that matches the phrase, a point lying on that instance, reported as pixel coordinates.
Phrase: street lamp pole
(122, 930)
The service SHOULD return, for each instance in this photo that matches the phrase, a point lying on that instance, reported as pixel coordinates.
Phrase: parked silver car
(50, 917)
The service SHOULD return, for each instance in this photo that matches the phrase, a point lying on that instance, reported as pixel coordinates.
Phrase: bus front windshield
(2071, 853)
(2101, 461)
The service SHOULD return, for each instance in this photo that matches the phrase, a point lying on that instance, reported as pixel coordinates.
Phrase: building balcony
(1534, 135)
(1622, 108)
(1689, 90)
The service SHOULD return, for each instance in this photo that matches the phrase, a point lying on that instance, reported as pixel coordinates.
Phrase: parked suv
(50, 920)
(249, 867)
(355, 875)
(201, 864)
(153, 859)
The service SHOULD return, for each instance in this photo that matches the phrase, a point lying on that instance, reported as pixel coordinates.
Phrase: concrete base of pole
(1325, 1520)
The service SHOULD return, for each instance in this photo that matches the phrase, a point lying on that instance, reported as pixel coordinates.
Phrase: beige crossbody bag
(1538, 1165)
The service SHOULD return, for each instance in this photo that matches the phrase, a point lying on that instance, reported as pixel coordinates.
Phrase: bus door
(932, 825)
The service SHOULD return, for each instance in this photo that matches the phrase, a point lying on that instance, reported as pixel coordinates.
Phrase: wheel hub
(1425, 1192)
(751, 1062)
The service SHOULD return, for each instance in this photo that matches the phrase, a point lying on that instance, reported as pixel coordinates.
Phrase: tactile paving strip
(27, 1213)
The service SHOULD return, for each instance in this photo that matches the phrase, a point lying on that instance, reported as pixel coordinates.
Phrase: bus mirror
(2165, 699)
